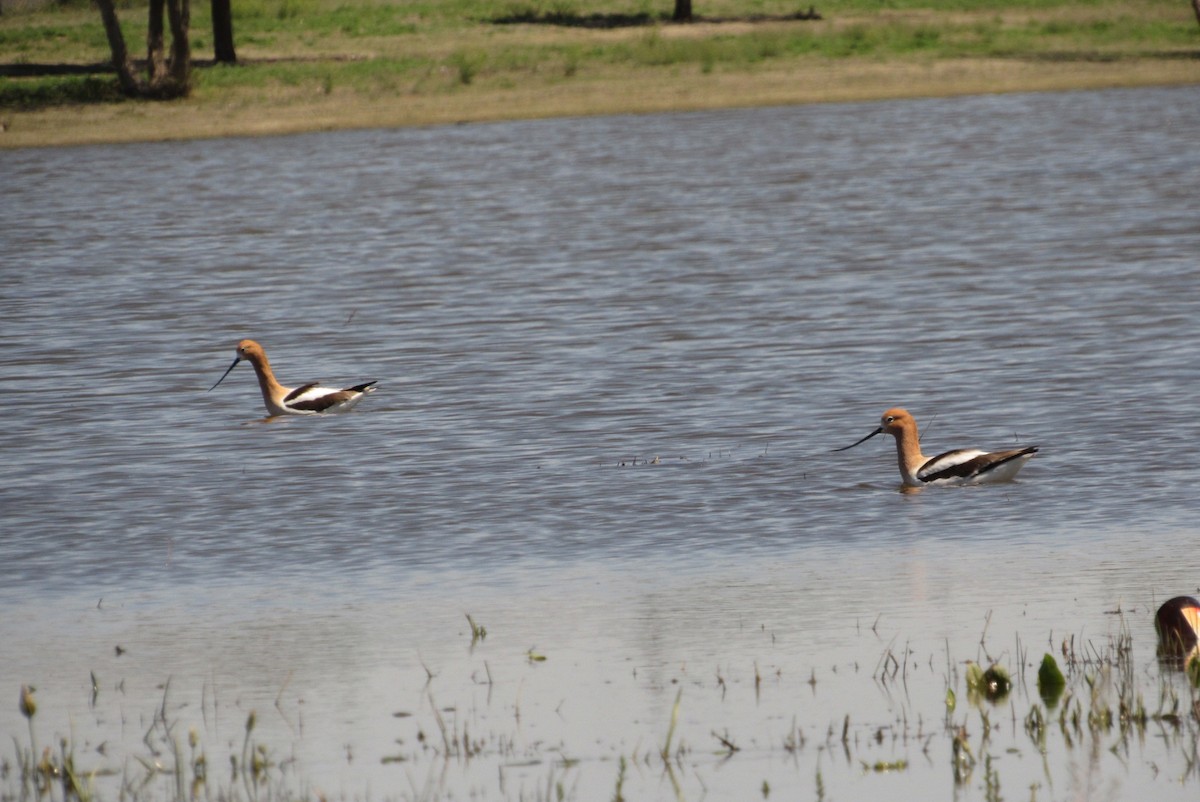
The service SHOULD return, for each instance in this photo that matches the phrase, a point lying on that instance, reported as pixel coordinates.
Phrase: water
(546, 306)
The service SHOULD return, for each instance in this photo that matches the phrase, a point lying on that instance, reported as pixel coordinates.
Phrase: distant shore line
(826, 82)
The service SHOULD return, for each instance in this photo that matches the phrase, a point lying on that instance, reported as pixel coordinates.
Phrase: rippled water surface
(547, 306)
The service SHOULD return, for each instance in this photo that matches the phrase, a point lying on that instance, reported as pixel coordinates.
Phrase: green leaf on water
(951, 701)
(974, 677)
(1050, 681)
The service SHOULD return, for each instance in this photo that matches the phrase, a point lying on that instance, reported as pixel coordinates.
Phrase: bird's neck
(908, 454)
(273, 392)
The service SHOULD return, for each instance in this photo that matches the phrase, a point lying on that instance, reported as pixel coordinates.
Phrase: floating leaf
(951, 701)
(1050, 681)
(974, 677)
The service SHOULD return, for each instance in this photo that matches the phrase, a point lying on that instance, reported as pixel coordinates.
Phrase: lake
(614, 356)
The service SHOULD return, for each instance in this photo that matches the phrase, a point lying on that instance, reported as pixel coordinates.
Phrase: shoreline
(300, 110)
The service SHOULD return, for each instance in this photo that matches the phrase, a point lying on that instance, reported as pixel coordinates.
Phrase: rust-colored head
(249, 350)
(896, 421)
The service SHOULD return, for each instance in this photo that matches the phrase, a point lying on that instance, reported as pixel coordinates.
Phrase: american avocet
(965, 466)
(309, 399)
(1178, 626)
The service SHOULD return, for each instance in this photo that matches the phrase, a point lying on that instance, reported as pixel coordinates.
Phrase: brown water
(544, 303)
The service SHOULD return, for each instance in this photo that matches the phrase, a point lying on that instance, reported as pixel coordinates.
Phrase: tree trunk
(222, 22)
(1196, 8)
(173, 80)
(180, 64)
(155, 55)
(116, 43)
(683, 10)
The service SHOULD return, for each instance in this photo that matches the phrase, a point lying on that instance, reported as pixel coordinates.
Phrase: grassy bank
(323, 64)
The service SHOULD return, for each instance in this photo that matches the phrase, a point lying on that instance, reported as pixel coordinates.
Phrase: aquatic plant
(666, 749)
(1099, 698)
(1050, 681)
(478, 631)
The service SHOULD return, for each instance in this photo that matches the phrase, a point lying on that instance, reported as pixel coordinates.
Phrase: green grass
(58, 91)
(58, 29)
(372, 47)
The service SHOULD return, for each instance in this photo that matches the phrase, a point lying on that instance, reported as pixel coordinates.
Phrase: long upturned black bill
(865, 439)
(226, 373)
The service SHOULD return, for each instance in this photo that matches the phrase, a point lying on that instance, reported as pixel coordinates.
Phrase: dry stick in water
(437, 716)
(666, 750)
(983, 636)
(279, 700)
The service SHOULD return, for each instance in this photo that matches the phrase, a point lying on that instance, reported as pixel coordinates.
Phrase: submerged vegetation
(1087, 700)
(475, 60)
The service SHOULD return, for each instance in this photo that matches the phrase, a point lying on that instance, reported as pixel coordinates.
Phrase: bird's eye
(889, 419)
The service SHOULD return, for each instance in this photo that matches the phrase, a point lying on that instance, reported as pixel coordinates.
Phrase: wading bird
(310, 399)
(964, 466)
(1178, 626)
